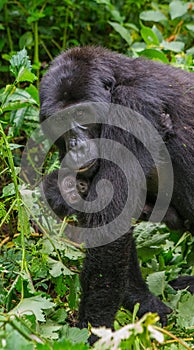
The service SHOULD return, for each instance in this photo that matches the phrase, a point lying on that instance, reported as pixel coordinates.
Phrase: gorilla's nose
(72, 143)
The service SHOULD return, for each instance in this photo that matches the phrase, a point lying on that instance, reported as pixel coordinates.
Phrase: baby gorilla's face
(73, 189)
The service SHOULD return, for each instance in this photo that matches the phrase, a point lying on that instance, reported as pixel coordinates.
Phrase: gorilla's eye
(82, 117)
(80, 113)
(69, 183)
(108, 85)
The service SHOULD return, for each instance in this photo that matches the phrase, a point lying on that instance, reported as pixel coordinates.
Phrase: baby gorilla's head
(73, 189)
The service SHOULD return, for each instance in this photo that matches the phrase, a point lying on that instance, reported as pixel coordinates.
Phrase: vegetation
(39, 286)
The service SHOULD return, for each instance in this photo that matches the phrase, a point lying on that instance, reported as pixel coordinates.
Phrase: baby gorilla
(63, 191)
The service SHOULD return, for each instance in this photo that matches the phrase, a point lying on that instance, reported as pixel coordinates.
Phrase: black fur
(165, 96)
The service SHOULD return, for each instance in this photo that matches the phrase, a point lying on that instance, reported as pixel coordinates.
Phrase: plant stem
(65, 30)
(22, 216)
(8, 29)
(36, 48)
(180, 341)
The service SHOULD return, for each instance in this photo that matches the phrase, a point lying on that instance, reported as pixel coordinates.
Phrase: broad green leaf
(57, 268)
(59, 316)
(149, 235)
(138, 46)
(149, 36)
(12, 106)
(35, 16)
(73, 254)
(17, 99)
(185, 317)
(2, 3)
(116, 14)
(175, 46)
(154, 55)
(15, 341)
(8, 190)
(75, 335)
(44, 347)
(158, 33)
(190, 51)
(67, 345)
(49, 330)
(33, 92)
(156, 282)
(26, 40)
(103, 2)
(190, 27)
(153, 16)
(177, 8)
(34, 305)
(124, 33)
(24, 74)
(18, 61)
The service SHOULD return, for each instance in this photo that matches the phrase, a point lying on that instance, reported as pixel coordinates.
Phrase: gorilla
(164, 96)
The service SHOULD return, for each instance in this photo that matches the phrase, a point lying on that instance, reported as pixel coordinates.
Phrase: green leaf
(124, 33)
(16, 341)
(8, 190)
(49, 330)
(34, 305)
(152, 16)
(74, 335)
(33, 92)
(24, 74)
(190, 51)
(138, 46)
(26, 40)
(190, 27)
(67, 345)
(12, 106)
(150, 235)
(154, 55)
(177, 8)
(18, 61)
(157, 32)
(17, 99)
(175, 46)
(58, 268)
(156, 282)
(59, 316)
(72, 253)
(104, 2)
(2, 3)
(149, 36)
(185, 317)
(35, 16)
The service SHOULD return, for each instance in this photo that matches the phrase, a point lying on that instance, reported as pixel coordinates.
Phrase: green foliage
(39, 285)
(134, 336)
(127, 26)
